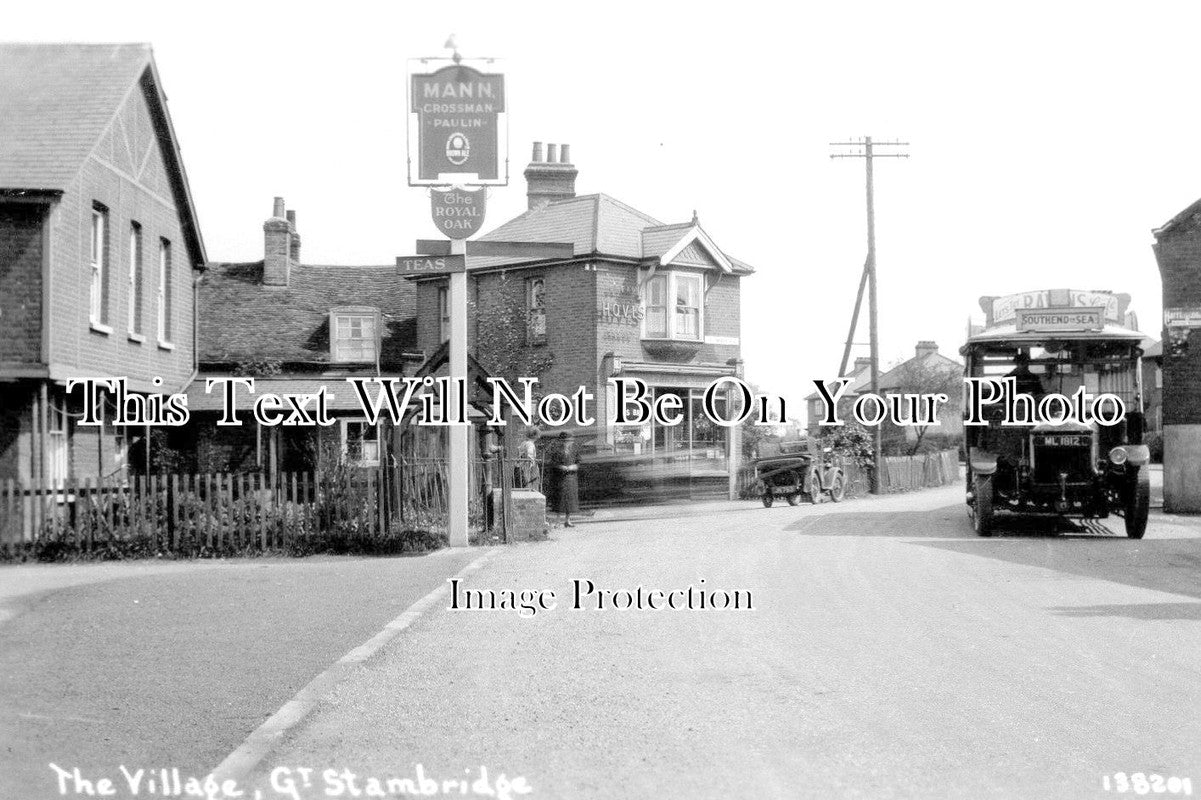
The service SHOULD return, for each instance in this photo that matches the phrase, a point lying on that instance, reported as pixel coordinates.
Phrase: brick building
(99, 248)
(638, 298)
(1178, 252)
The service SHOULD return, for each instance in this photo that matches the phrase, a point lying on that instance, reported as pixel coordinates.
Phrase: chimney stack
(862, 362)
(925, 348)
(295, 236)
(277, 235)
(550, 180)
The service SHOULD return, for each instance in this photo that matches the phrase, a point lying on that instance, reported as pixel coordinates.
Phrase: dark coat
(563, 485)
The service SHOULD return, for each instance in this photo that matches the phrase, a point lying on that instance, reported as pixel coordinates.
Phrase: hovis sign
(458, 126)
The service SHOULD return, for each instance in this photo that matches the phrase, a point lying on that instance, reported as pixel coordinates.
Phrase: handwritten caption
(291, 782)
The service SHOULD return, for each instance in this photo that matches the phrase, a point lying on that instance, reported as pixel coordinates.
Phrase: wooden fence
(906, 473)
(195, 514)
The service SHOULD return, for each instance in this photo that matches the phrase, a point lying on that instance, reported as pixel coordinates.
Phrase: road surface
(890, 653)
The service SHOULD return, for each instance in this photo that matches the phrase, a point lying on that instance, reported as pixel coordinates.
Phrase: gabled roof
(58, 100)
(893, 378)
(242, 320)
(861, 377)
(1189, 213)
(594, 224)
(683, 244)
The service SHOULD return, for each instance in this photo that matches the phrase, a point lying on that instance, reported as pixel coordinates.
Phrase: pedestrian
(528, 474)
(566, 463)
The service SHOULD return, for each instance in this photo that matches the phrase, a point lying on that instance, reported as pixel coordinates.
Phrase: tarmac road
(890, 654)
(173, 664)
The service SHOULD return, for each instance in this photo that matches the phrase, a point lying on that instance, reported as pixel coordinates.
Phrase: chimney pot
(549, 180)
(565, 154)
(277, 247)
(295, 243)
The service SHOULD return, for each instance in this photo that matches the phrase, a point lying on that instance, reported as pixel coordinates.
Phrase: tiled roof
(55, 102)
(243, 320)
(659, 239)
(593, 223)
(1192, 212)
(340, 396)
(861, 377)
(893, 378)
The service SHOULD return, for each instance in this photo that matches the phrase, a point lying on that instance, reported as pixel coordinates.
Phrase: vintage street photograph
(624, 400)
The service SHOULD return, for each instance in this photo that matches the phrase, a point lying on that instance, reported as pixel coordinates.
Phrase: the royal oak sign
(458, 213)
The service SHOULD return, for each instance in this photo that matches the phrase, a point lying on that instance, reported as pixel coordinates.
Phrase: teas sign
(458, 130)
(457, 212)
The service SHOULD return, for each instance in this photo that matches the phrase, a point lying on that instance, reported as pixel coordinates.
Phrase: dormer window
(674, 306)
(354, 335)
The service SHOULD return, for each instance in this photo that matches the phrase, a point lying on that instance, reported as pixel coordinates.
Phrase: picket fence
(190, 514)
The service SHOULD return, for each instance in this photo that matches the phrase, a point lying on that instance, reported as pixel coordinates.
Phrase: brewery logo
(458, 148)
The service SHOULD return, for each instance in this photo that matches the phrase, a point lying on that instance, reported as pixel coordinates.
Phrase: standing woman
(527, 461)
(567, 466)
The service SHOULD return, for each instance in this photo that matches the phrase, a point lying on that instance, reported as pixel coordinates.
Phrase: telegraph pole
(866, 150)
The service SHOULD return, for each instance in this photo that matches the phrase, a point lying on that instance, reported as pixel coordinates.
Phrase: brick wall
(578, 336)
(1179, 255)
(127, 175)
(21, 282)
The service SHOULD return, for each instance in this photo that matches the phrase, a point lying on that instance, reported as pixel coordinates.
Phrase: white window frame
(671, 280)
(678, 278)
(99, 256)
(365, 426)
(347, 315)
(133, 315)
(164, 292)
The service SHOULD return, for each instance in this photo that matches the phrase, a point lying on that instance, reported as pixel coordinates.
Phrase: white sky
(1047, 140)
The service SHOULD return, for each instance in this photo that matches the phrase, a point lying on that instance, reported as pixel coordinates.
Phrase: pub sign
(456, 115)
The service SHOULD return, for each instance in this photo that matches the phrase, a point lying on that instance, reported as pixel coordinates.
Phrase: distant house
(294, 328)
(925, 372)
(99, 248)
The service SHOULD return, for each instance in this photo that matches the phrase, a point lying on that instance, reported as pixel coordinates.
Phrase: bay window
(673, 305)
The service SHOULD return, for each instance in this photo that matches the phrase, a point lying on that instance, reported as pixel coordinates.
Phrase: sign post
(457, 472)
(455, 117)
